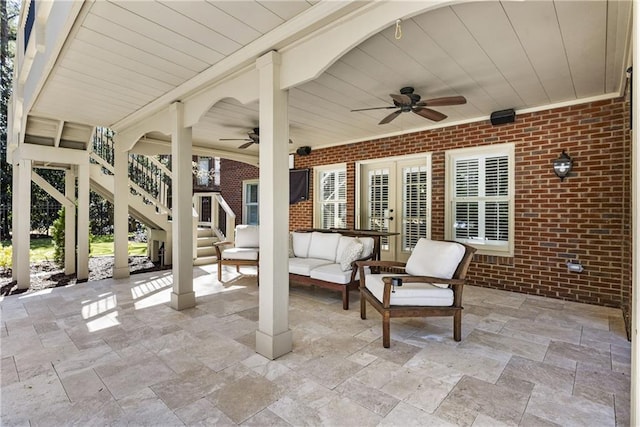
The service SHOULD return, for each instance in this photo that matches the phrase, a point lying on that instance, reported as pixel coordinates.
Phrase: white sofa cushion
(324, 245)
(240, 253)
(331, 273)
(367, 246)
(303, 266)
(435, 258)
(247, 236)
(301, 244)
(422, 294)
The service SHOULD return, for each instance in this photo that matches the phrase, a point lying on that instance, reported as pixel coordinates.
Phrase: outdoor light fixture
(562, 165)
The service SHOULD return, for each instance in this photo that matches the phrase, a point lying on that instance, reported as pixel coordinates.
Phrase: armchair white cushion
(410, 293)
(435, 258)
(245, 250)
(247, 236)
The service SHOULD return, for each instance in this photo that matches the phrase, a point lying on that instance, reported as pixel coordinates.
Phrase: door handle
(390, 218)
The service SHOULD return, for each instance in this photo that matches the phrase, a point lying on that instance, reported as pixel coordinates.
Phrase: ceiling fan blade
(253, 135)
(445, 100)
(246, 144)
(430, 114)
(375, 108)
(390, 117)
(401, 99)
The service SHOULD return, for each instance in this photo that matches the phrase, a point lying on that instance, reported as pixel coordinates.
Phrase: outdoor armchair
(429, 284)
(243, 251)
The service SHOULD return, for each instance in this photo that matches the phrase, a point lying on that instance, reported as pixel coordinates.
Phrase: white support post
(273, 337)
(70, 223)
(182, 296)
(121, 214)
(83, 221)
(22, 221)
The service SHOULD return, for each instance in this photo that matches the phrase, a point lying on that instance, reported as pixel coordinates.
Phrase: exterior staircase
(150, 201)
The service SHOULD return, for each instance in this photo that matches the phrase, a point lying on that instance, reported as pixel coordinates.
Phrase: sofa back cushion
(247, 236)
(435, 258)
(367, 246)
(301, 244)
(324, 245)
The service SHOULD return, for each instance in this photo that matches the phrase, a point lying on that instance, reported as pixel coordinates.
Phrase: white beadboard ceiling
(123, 55)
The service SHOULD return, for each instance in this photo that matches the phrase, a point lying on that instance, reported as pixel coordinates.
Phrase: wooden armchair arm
(354, 265)
(426, 279)
(217, 246)
(456, 285)
(375, 266)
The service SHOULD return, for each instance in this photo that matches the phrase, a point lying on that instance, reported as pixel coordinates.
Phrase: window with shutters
(480, 198)
(330, 195)
(250, 202)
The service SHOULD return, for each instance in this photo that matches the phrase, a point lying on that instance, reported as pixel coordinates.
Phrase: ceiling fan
(407, 101)
(253, 138)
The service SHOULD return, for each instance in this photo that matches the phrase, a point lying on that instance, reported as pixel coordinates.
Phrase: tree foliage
(9, 12)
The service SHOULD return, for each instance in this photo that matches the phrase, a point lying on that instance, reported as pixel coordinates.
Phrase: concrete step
(205, 232)
(206, 251)
(206, 260)
(206, 241)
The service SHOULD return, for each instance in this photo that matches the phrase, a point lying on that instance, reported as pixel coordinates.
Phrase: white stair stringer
(147, 213)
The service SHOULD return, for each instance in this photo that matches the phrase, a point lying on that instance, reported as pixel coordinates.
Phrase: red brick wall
(586, 217)
(232, 174)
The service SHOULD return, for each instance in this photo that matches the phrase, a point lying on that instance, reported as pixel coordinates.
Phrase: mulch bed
(47, 274)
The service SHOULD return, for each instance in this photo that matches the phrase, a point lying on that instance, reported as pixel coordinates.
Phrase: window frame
(481, 154)
(318, 202)
(245, 204)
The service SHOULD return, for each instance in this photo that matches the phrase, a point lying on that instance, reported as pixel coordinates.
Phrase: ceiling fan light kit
(409, 102)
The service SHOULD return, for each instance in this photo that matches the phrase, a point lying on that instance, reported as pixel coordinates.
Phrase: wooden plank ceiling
(499, 55)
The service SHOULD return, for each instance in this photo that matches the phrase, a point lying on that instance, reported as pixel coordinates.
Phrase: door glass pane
(378, 203)
(414, 206)
(203, 171)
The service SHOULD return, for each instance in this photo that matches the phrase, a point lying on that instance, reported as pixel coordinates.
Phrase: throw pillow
(350, 254)
(291, 254)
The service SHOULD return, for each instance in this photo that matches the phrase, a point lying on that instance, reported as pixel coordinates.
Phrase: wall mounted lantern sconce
(562, 165)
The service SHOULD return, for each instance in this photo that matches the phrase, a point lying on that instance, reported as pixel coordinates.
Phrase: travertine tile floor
(113, 353)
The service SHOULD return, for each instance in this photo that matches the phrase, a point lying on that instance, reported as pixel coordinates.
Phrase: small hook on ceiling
(398, 33)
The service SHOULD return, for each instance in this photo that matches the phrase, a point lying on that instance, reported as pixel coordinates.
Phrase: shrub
(5, 256)
(58, 238)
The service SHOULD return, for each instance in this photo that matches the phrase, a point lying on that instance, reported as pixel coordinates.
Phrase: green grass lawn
(41, 249)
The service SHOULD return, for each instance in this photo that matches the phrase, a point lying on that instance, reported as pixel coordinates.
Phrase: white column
(22, 222)
(181, 188)
(273, 338)
(70, 222)
(121, 214)
(83, 221)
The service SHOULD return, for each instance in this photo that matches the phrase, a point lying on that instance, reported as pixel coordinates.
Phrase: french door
(395, 197)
